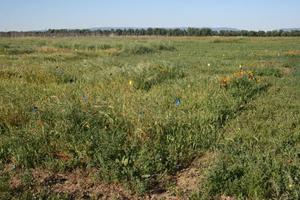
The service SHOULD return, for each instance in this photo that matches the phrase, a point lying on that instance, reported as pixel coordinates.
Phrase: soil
(80, 184)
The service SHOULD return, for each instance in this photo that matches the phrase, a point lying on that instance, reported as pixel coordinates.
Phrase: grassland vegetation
(138, 110)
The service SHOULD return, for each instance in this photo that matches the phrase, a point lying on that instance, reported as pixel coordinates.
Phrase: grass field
(129, 116)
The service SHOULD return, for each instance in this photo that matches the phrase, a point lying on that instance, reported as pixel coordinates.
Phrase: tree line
(150, 32)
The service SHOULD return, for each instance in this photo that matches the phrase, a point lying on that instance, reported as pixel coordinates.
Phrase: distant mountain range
(184, 28)
(225, 29)
(290, 29)
(218, 29)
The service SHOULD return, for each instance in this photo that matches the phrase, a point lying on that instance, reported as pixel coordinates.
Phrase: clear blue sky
(243, 14)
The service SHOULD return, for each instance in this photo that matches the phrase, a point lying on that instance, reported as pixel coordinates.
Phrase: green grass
(140, 109)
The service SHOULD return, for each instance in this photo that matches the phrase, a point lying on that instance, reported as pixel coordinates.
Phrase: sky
(24, 15)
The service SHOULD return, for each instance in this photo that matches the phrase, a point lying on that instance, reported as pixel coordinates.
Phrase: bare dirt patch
(287, 71)
(50, 50)
(80, 184)
(188, 180)
(293, 52)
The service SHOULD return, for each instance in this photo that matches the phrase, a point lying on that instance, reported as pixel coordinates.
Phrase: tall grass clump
(145, 76)
(268, 72)
(140, 49)
(19, 50)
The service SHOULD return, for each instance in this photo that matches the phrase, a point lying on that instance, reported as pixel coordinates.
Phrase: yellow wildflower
(250, 75)
(224, 81)
(239, 74)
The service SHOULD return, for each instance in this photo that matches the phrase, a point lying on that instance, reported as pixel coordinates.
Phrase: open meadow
(150, 117)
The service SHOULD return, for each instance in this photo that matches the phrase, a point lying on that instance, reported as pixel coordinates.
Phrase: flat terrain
(150, 118)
